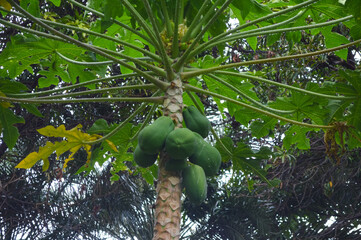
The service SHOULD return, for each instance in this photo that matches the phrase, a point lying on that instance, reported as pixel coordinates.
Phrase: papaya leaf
(24, 51)
(10, 86)
(263, 128)
(219, 88)
(248, 6)
(43, 154)
(56, 2)
(4, 104)
(10, 132)
(297, 135)
(353, 77)
(333, 39)
(75, 139)
(335, 110)
(31, 108)
(32, 6)
(5, 4)
(251, 162)
(99, 126)
(112, 9)
(245, 115)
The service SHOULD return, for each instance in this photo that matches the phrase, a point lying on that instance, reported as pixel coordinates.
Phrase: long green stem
(110, 52)
(167, 21)
(205, 19)
(175, 46)
(275, 25)
(103, 90)
(96, 63)
(261, 19)
(104, 50)
(160, 84)
(215, 135)
(257, 32)
(139, 61)
(243, 95)
(182, 59)
(62, 89)
(125, 43)
(195, 21)
(158, 100)
(187, 75)
(156, 30)
(195, 89)
(283, 30)
(245, 75)
(112, 20)
(143, 24)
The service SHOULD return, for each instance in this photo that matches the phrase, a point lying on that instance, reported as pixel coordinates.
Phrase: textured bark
(169, 190)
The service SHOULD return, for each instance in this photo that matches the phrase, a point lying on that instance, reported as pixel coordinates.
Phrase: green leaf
(297, 135)
(112, 9)
(263, 128)
(32, 6)
(335, 110)
(100, 126)
(247, 6)
(31, 108)
(250, 162)
(355, 117)
(252, 41)
(333, 39)
(354, 7)
(10, 132)
(56, 2)
(217, 87)
(10, 86)
(22, 52)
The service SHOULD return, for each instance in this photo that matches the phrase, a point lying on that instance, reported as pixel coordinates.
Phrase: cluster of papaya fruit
(181, 145)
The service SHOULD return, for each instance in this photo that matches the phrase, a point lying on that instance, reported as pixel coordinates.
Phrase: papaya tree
(173, 56)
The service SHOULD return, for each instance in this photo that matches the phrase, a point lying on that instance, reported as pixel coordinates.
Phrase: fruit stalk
(169, 191)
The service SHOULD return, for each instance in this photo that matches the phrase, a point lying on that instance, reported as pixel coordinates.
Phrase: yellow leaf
(42, 154)
(73, 150)
(330, 183)
(75, 139)
(65, 147)
(72, 135)
(5, 4)
(112, 145)
(4, 104)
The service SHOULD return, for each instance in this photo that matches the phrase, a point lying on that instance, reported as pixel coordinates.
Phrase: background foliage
(316, 178)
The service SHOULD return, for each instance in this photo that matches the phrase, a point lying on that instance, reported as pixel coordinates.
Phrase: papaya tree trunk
(169, 191)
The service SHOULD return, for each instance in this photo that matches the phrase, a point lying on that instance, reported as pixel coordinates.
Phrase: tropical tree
(172, 54)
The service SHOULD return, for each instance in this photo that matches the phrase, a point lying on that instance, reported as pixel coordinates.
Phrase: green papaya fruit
(143, 159)
(180, 143)
(151, 139)
(176, 164)
(195, 184)
(196, 121)
(206, 156)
